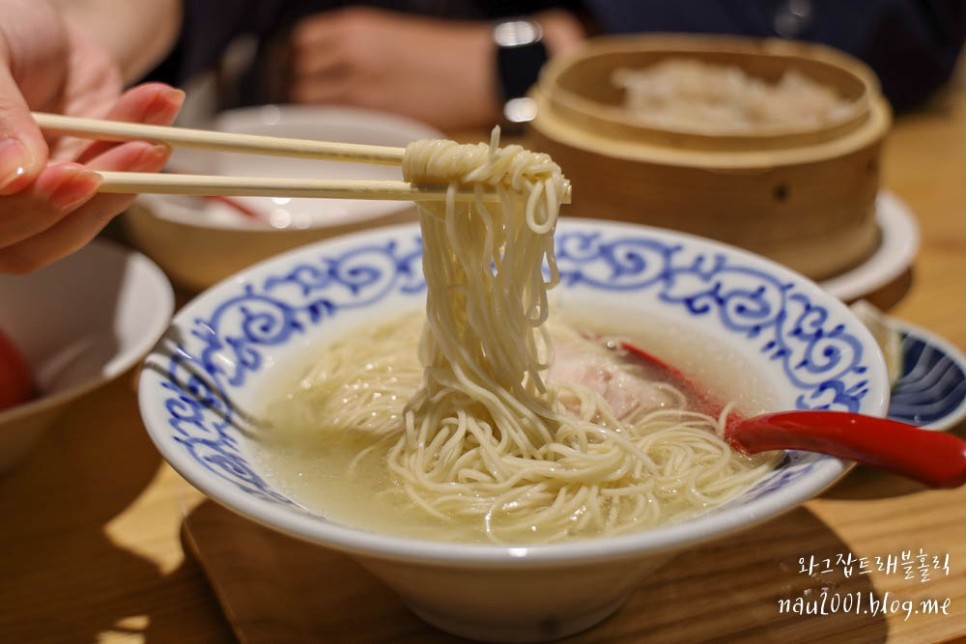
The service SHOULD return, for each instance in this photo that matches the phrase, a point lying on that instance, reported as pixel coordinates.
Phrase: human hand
(436, 71)
(48, 202)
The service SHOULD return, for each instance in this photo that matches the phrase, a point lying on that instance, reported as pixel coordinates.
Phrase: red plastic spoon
(933, 458)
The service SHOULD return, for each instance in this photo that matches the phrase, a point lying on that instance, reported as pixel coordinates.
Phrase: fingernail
(75, 188)
(14, 161)
(161, 106)
(151, 159)
(175, 95)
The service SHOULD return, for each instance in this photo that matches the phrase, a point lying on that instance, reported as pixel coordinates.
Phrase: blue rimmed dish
(931, 388)
(199, 388)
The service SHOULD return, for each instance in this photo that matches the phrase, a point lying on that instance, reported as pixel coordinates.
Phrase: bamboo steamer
(804, 197)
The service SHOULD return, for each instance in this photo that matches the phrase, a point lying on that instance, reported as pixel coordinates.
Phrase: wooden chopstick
(205, 185)
(222, 141)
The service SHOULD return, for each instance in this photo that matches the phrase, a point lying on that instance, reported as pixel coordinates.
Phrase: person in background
(439, 61)
(434, 60)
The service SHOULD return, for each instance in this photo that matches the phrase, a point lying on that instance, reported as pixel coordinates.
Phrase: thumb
(23, 150)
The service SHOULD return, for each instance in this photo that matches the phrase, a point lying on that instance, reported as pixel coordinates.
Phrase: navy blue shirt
(912, 45)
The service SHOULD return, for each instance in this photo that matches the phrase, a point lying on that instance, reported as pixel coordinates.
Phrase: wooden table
(91, 541)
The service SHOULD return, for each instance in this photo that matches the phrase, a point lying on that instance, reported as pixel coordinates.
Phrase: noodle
(481, 424)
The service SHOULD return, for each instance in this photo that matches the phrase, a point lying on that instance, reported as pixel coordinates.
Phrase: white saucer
(896, 252)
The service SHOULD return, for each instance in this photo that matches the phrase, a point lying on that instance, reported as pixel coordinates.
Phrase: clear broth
(328, 478)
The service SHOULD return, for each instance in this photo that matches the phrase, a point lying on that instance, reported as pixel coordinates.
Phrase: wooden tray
(278, 589)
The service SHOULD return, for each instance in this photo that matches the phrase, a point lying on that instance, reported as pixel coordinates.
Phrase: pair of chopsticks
(207, 185)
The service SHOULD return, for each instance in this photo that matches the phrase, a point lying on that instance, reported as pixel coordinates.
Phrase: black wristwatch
(520, 54)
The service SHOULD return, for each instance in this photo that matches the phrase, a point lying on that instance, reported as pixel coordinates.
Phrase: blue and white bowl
(931, 388)
(200, 384)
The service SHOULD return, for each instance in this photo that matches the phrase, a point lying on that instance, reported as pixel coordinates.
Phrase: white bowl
(198, 391)
(79, 323)
(200, 242)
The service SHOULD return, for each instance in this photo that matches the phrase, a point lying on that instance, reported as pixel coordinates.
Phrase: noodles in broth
(506, 420)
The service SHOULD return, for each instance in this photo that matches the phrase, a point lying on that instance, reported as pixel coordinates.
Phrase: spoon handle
(933, 458)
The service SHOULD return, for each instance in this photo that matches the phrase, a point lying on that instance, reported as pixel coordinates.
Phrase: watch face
(516, 33)
(520, 110)
(520, 54)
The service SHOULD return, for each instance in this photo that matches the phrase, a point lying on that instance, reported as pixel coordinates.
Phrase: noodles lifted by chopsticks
(486, 428)
(486, 437)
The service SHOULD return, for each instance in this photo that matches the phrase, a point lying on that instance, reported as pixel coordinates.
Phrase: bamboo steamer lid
(803, 196)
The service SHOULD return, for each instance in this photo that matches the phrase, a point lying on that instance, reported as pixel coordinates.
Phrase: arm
(437, 71)
(136, 33)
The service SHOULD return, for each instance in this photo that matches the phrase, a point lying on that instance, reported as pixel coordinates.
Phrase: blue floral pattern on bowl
(205, 360)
